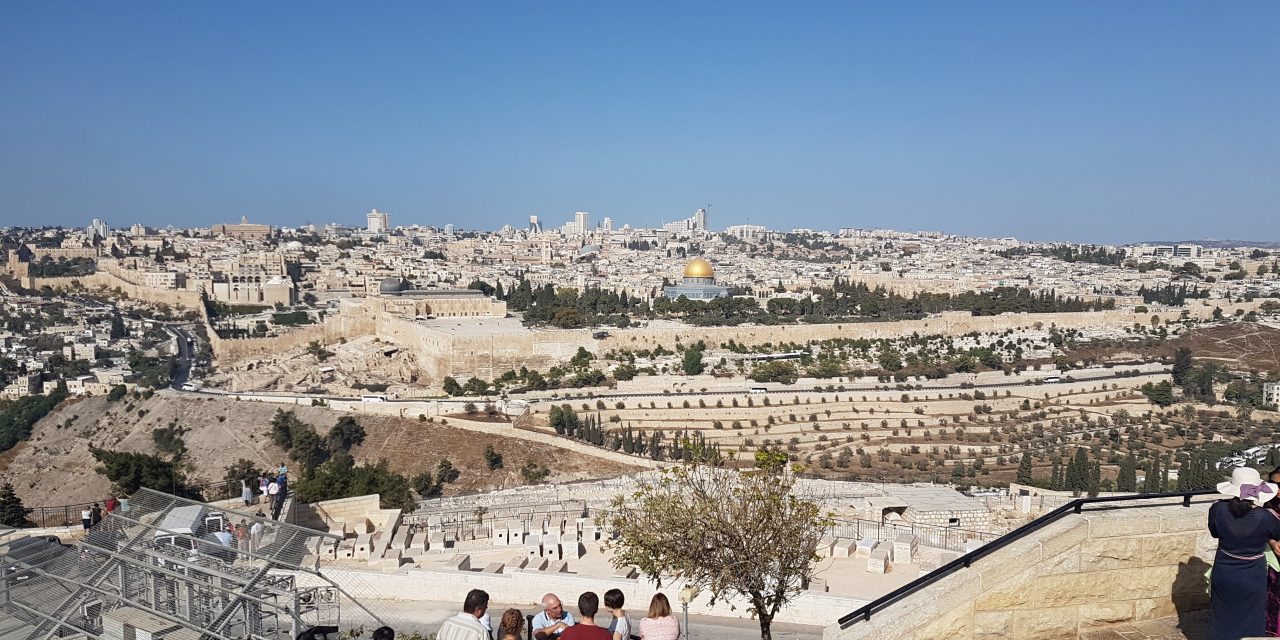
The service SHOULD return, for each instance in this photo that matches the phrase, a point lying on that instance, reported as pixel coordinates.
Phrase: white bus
(759, 390)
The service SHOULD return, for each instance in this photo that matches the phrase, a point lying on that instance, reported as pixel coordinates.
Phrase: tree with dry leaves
(726, 532)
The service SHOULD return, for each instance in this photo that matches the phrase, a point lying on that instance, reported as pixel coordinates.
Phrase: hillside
(55, 467)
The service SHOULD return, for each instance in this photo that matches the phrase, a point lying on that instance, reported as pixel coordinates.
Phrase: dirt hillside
(55, 467)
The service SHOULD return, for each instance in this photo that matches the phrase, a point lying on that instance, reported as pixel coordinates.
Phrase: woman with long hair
(660, 624)
(1238, 583)
(511, 625)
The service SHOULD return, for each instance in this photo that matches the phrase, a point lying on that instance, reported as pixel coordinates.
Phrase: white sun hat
(1246, 484)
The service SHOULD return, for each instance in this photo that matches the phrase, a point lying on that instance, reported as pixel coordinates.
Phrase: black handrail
(963, 562)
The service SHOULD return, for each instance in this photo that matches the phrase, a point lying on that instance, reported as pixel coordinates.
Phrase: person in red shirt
(586, 629)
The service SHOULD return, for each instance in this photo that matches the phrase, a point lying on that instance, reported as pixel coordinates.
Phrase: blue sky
(1087, 121)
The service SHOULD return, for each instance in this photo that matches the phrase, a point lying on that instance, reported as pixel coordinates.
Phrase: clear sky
(1096, 121)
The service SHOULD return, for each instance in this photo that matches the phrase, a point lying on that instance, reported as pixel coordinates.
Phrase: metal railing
(949, 538)
(69, 514)
(963, 562)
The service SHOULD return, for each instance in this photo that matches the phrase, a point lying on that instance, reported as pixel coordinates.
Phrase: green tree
(342, 478)
(445, 472)
(1182, 364)
(1127, 478)
(692, 363)
(12, 512)
(344, 435)
(1024, 469)
(1160, 394)
(130, 471)
(452, 387)
(727, 533)
(492, 458)
(241, 470)
(118, 330)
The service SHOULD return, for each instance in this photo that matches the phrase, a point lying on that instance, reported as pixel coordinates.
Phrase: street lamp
(687, 595)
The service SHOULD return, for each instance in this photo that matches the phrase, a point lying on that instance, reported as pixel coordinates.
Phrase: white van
(759, 390)
(373, 398)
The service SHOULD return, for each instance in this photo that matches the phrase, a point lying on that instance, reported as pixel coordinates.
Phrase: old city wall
(442, 352)
(334, 328)
(950, 323)
(137, 291)
(1084, 571)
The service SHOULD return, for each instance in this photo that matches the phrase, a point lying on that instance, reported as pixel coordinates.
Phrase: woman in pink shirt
(660, 625)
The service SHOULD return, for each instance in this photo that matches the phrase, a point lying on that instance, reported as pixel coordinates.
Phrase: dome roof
(699, 268)
(392, 285)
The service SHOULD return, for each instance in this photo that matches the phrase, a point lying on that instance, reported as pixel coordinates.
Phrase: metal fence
(69, 514)
(949, 538)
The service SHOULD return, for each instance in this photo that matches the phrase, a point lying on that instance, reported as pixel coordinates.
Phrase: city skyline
(1090, 123)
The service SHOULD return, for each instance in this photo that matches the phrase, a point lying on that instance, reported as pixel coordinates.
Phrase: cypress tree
(1127, 480)
(1055, 476)
(1024, 469)
(1095, 479)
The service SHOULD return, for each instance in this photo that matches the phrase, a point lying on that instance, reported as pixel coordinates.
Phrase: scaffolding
(167, 568)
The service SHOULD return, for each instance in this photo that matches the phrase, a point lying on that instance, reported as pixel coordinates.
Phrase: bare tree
(723, 531)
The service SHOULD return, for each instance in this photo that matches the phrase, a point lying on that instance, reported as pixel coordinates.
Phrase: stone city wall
(137, 291)
(1084, 571)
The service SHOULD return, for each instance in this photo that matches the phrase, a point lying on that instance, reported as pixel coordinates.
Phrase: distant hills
(1219, 244)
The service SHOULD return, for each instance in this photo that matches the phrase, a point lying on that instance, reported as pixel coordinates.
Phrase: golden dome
(699, 268)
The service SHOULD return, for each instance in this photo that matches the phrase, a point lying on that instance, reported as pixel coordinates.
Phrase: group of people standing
(1244, 583)
(555, 623)
(93, 515)
(273, 487)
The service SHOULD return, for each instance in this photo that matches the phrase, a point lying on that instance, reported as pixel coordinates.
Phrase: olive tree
(728, 533)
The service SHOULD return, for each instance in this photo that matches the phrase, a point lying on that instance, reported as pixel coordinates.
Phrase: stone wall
(1088, 570)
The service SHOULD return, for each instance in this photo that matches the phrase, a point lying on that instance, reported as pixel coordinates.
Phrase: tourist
(95, 514)
(511, 625)
(660, 625)
(466, 625)
(1273, 567)
(246, 493)
(255, 534)
(1237, 585)
(553, 619)
(619, 626)
(586, 629)
(384, 633)
(242, 537)
(273, 491)
(86, 518)
(262, 487)
(110, 505)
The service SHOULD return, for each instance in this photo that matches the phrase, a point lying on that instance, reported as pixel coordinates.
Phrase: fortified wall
(487, 347)
(1094, 569)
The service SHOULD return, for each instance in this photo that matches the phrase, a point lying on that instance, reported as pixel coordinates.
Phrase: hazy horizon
(1091, 122)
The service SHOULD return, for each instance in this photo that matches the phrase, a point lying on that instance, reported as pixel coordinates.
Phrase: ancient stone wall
(1084, 571)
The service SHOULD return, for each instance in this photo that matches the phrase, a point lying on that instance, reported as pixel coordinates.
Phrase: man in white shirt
(552, 620)
(466, 625)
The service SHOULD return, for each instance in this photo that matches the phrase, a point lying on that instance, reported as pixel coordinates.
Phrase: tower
(378, 221)
(582, 221)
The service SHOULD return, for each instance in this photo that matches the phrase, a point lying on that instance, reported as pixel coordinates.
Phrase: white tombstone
(879, 562)
(863, 550)
(904, 547)
(845, 548)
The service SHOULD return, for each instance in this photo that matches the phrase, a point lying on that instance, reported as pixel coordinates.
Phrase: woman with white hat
(1238, 584)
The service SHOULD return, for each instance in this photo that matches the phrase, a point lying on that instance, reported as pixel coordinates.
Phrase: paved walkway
(1192, 627)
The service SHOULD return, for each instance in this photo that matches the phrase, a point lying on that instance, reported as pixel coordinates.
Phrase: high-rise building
(606, 225)
(700, 220)
(448, 229)
(582, 222)
(97, 229)
(379, 221)
(534, 225)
